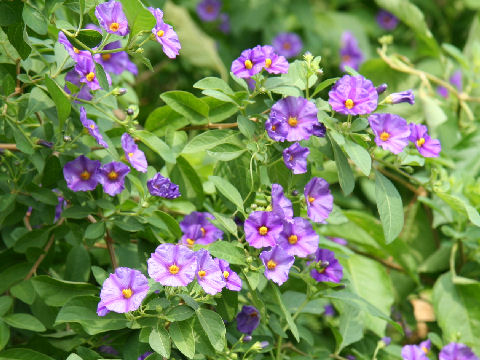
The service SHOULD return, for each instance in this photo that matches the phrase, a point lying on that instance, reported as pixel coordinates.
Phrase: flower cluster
(452, 351)
(253, 61)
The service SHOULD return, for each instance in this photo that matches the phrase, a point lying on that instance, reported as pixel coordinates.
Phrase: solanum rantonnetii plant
(273, 213)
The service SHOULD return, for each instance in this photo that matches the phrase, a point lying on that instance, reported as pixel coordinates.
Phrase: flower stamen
(349, 103)
(127, 293)
(292, 239)
(420, 142)
(271, 265)
(248, 64)
(85, 175)
(292, 121)
(90, 76)
(384, 136)
(202, 273)
(263, 230)
(114, 26)
(174, 269)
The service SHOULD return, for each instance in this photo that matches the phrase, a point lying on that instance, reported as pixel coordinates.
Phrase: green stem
(60, 68)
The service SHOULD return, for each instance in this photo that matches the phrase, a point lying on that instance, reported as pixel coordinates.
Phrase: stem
(210, 126)
(111, 250)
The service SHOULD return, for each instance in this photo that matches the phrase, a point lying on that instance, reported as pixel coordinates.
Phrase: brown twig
(8, 147)
(387, 263)
(409, 186)
(111, 250)
(210, 126)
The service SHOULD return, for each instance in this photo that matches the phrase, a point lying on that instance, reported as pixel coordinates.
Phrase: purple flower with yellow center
(83, 92)
(112, 177)
(208, 10)
(165, 35)
(262, 229)
(350, 53)
(319, 199)
(319, 130)
(386, 20)
(133, 154)
(298, 113)
(111, 17)
(224, 25)
(117, 62)
(425, 346)
(81, 174)
(206, 233)
(172, 265)
(274, 63)
(85, 67)
(74, 52)
(401, 97)
(281, 205)
(231, 278)
(248, 319)
(457, 351)
(353, 95)
(298, 238)
(391, 131)
(295, 158)
(92, 128)
(327, 268)
(276, 129)
(250, 62)
(413, 352)
(123, 291)
(277, 264)
(426, 146)
(209, 275)
(287, 44)
(191, 235)
(163, 187)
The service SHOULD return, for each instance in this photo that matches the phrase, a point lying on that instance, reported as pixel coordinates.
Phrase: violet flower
(329, 310)
(72, 50)
(426, 346)
(281, 205)
(456, 79)
(381, 88)
(81, 174)
(133, 154)
(85, 67)
(319, 199)
(248, 319)
(401, 97)
(123, 291)
(144, 355)
(209, 275)
(277, 264)
(163, 187)
(350, 52)
(338, 240)
(457, 351)
(413, 352)
(207, 233)
(319, 130)
(165, 35)
(295, 158)
(274, 63)
(386, 20)
(250, 62)
(327, 267)
(262, 229)
(353, 95)
(172, 265)
(112, 177)
(117, 62)
(391, 131)
(111, 17)
(231, 278)
(208, 10)
(276, 129)
(298, 238)
(83, 92)
(92, 128)
(287, 44)
(426, 146)
(224, 25)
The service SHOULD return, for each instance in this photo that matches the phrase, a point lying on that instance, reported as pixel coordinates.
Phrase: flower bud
(381, 88)
(45, 143)
(119, 91)
(130, 112)
(247, 338)
(67, 138)
(294, 192)
(401, 97)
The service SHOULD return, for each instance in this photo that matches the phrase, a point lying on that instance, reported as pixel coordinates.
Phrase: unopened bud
(119, 91)
(130, 112)
(294, 192)
(139, 51)
(247, 338)
(67, 138)
(45, 143)
(381, 88)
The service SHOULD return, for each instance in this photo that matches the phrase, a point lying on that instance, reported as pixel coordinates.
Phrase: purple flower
(299, 114)
(425, 346)
(353, 95)
(298, 238)
(282, 206)
(123, 291)
(327, 268)
(224, 25)
(112, 177)
(413, 352)
(262, 228)
(85, 67)
(250, 62)
(442, 91)
(319, 130)
(107, 349)
(350, 53)
(111, 17)
(145, 355)
(134, 155)
(401, 97)
(92, 128)
(209, 275)
(205, 232)
(163, 187)
(426, 146)
(319, 199)
(456, 80)
(117, 62)
(339, 241)
(208, 10)
(81, 174)
(351, 357)
(276, 129)
(248, 319)
(172, 265)
(381, 88)
(457, 351)
(287, 44)
(277, 264)
(386, 340)
(72, 51)
(62, 203)
(295, 158)
(391, 131)
(74, 78)
(329, 310)
(165, 35)
(232, 280)
(386, 20)
(274, 63)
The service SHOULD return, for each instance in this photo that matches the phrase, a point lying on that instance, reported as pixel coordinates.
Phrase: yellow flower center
(90, 76)
(130, 154)
(274, 127)
(174, 269)
(292, 121)
(112, 175)
(106, 56)
(248, 64)
(202, 273)
(263, 230)
(268, 62)
(271, 264)
(114, 26)
(384, 136)
(92, 127)
(346, 58)
(349, 103)
(85, 175)
(292, 239)
(311, 199)
(226, 274)
(420, 142)
(425, 350)
(127, 293)
(190, 241)
(75, 50)
(287, 46)
(160, 33)
(203, 231)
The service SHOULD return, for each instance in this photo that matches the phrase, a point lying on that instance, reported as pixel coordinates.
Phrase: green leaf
(163, 120)
(181, 333)
(225, 222)
(95, 230)
(187, 179)
(5, 304)
(226, 152)
(434, 114)
(179, 313)
(23, 354)
(359, 155)
(461, 206)
(390, 207)
(170, 222)
(76, 212)
(89, 37)
(61, 101)
(286, 313)
(213, 326)
(227, 304)
(187, 105)
(345, 173)
(34, 19)
(23, 144)
(77, 264)
(18, 38)
(4, 335)
(208, 140)
(24, 291)
(156, 144)
(139, 18)
(350, 327)
(324, 84)
(214, 83)
(159, 341)
(24, 321)
(101, 76)
(227, 251)
(10, 12)
(228, 190)
(246, 126)
(57, 292)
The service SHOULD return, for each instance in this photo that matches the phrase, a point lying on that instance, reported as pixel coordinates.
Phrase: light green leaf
(359, 155)
(156, 144)
(23, 354)
(213, 326)
(225, 222)
(186, 104)
(24, 321)
(461, 206)
(345, 173)
(227, 251)
(226, 152)
(390, 207)
(181, 333)
(57, 292)
(61, 101)
(4, 335)
(159, 341)
(286, 313)
(139, 18)
(101, 77)
(228, 190)
(214, 83)
(350, 327)
(208, 140)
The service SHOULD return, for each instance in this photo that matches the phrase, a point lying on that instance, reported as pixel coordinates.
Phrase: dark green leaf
(179, 313)
(95, 230)
(18, 38)
(77, 264)
(345, 174)
(23, 354)
(101, 76)
(156, 144)
(89, 37)
(10, 12)
(228, 190)
(61, 101)
(24, 321)
(213, 326)
(57, 292)
(187, 105)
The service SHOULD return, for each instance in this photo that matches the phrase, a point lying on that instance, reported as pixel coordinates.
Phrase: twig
(386, 263)
(8, 147)
(111, 250)
(210, 126)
